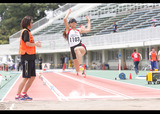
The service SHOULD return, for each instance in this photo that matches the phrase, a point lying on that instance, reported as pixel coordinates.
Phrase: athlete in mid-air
(78, 50)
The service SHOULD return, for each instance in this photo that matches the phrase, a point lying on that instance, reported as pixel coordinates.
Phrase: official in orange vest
(27, 50)
(153, 59)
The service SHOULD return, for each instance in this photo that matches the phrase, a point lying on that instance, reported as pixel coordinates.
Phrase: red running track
(72, 89)
(130, 90)
(77, 87)
(38, 91)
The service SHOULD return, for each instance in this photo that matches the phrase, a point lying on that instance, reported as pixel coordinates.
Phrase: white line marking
(10, 88)
(124, 82)
(98, 87)
(11, 107)
(58, 94)
(94, 97)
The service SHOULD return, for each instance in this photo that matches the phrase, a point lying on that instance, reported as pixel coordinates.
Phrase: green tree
(12, 13)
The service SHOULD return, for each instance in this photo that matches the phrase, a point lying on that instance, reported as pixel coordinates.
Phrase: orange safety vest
(23, 48)
(153, 56)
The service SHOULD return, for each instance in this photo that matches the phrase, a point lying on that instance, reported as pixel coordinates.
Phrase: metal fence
(56, 43)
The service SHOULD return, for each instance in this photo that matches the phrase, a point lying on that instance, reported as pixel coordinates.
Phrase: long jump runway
(66, 86)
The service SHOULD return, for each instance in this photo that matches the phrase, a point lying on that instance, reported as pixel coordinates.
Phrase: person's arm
(132, 56)
(88, 29)
(65, 20)
(25, 37)
(38, 44)
(157, 59)
(140, 56)
(150, 56)
(158, 56)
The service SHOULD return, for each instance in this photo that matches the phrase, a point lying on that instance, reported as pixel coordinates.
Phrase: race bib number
(74, 39)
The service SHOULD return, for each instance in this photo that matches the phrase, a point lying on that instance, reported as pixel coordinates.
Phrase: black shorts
(29, 68)
(72, 50)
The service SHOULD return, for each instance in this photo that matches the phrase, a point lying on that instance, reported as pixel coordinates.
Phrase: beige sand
(107, 104)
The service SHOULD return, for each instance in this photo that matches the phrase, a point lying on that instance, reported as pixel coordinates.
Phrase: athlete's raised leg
(80, 51)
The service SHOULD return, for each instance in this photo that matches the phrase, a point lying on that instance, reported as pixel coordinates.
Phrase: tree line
(12, 13)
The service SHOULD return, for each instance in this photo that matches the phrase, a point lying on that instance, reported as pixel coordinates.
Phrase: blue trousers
(153, 65)
(136, 66)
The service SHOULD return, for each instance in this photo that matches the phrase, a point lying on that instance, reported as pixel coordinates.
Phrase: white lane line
(146, 87)
(98, 87)
(94, 97)
(58, 94)
(10, 88)
(11, 107)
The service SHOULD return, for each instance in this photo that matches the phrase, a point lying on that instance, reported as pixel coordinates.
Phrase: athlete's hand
(87, 17)
(69, 11)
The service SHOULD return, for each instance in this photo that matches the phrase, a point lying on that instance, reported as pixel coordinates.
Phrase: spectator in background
(82, 27)
(158, 59)
(153, 22)
(40, 62)
(153, 25)
(114, 27)
(153, 59)
(62, 61)
(135, 56)
(19, 63)
(66, 61)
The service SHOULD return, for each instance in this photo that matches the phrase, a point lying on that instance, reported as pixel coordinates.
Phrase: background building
(135, 31)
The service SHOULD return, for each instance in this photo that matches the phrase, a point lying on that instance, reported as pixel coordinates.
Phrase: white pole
(119, 65)
(119, 56)
(0, 79)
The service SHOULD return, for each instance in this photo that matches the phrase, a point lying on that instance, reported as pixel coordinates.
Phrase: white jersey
(74, 37)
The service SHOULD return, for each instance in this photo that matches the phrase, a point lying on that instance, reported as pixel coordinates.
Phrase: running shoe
(83, 74)
(20, 97)
(81, 68)
(27, 97)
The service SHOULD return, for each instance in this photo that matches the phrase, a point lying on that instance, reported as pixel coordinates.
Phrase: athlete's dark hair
(72, 20)
(152, 48)
(26, 21)
(64, 34)
(134, 50)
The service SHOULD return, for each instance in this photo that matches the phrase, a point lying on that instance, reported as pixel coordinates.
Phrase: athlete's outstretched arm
(88, 29)
(65, 20)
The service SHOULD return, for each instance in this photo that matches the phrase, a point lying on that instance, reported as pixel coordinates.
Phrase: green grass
(111, 74)
(8, 79)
